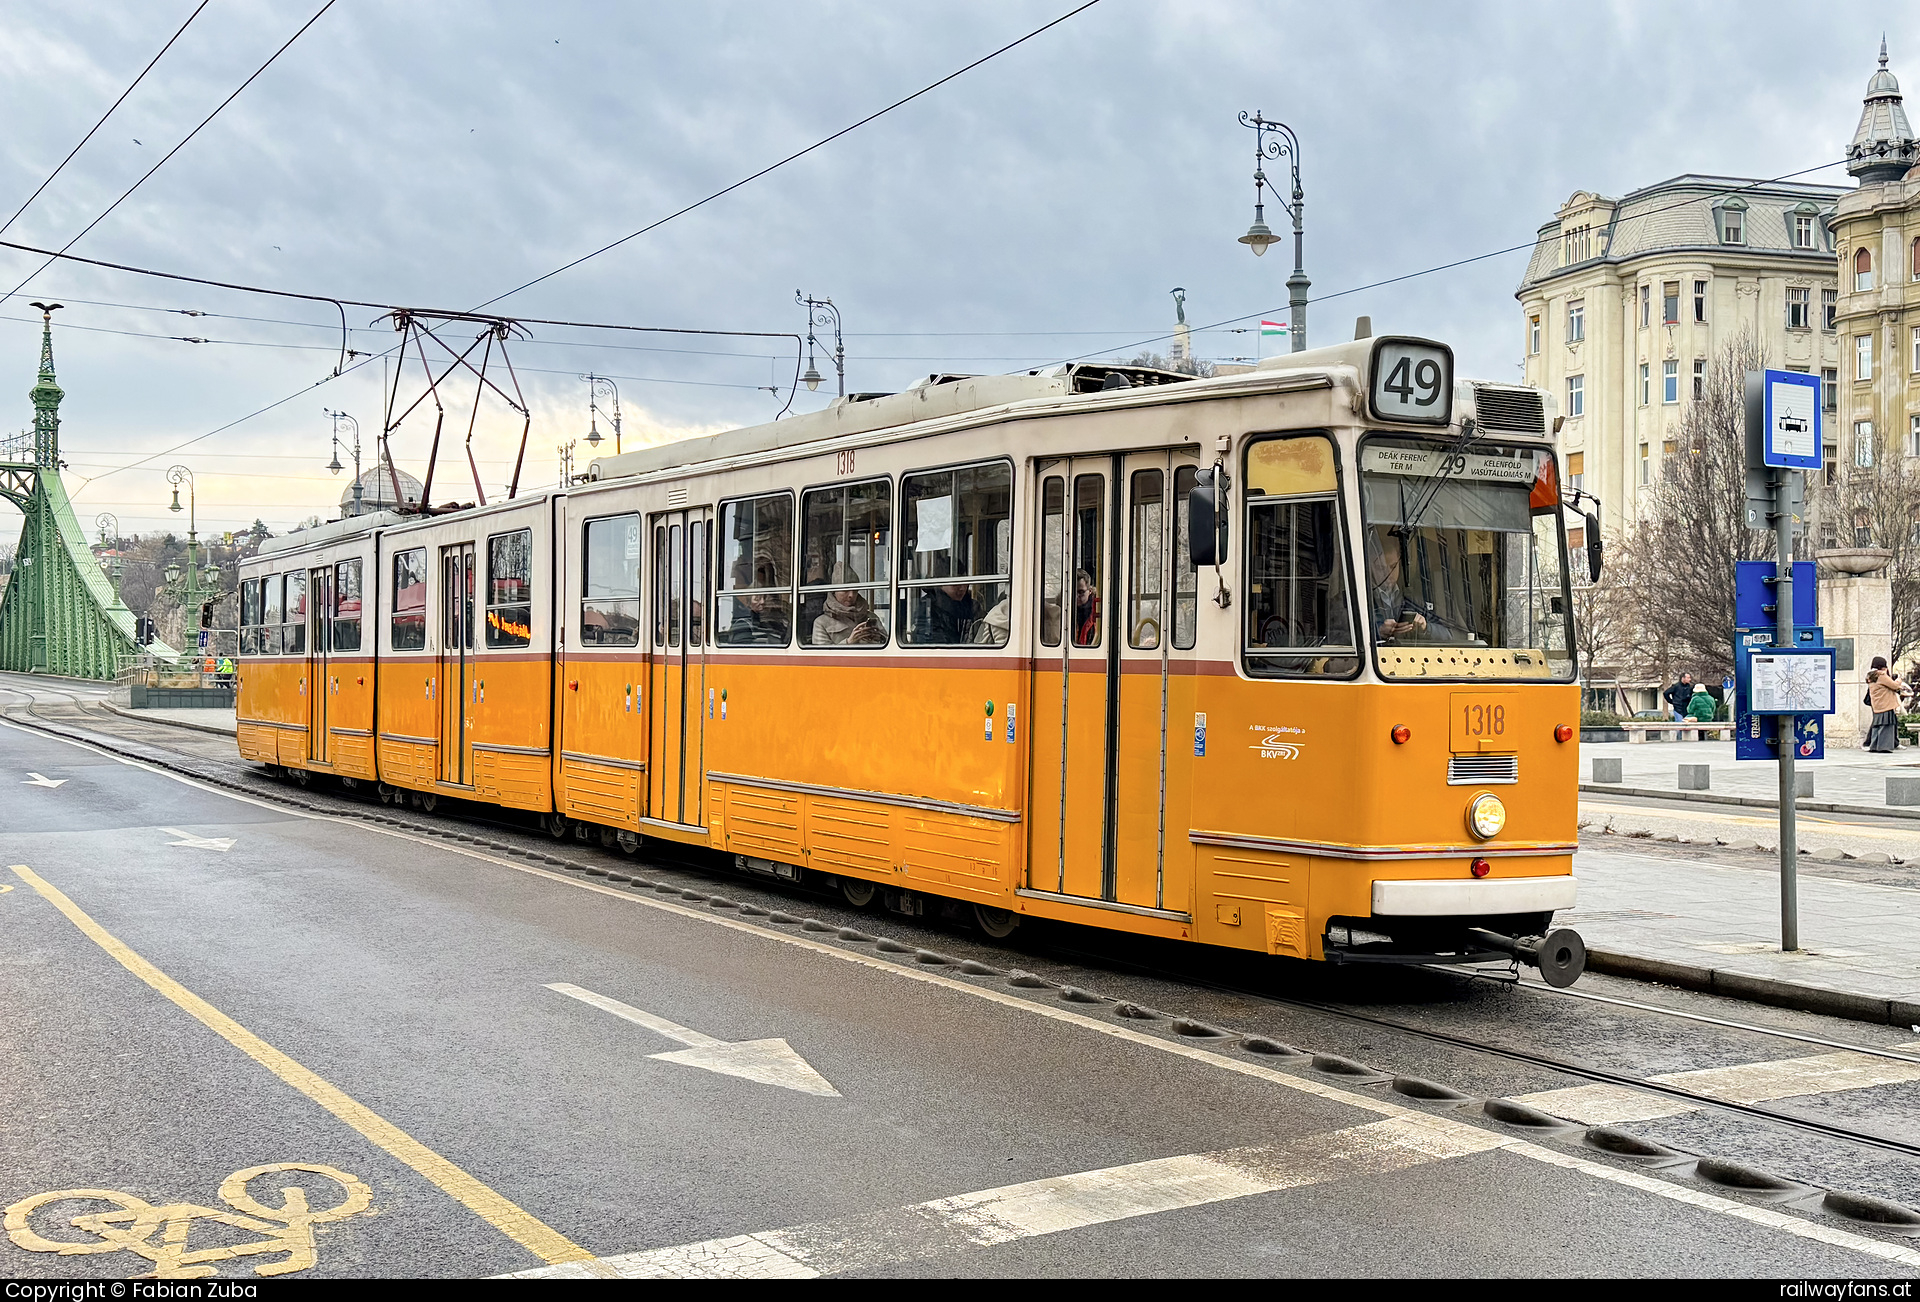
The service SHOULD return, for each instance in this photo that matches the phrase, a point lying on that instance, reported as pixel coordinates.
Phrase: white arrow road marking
(192, 842)
(35, 780)
(770, 1062)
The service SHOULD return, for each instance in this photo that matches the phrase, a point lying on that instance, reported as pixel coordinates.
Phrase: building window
(1576, 395)
(1803, 231)
(1576, 320)
(1577, 464)
(1533, 335)
(1862, 270)
(1799, 308)
(1579, 244)
(1699, 379)
(1700, 300)
(1646, 466)
(1863, 443)
(1913, 436)
(1916, 349)
(1646, 304)
(1830, 388)
(1646, 386)
(1830, 460)
(1913, 257)
(1670, 381)
(1829, 304)
(1863, 357)
(1733, 222)
(1670, 303)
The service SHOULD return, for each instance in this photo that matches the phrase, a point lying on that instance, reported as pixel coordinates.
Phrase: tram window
(610, 608)
(510, 589)
(956, 547)
(659, 585)
(756, 572)
(845, 539)
(1053, 558)
(1146, 550)
(293, 633)
(346, 606)
(270, 614)
(676, 577)
(1186, 579)
(409, 629)
(249, 617)
(1299, 617)
(1089, 550)
(697, 577)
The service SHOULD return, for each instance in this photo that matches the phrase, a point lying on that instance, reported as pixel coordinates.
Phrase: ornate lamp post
(108, 521)
(177, 476)
(1284, 145)
(821, 312)
(597, 385)
(334, 465)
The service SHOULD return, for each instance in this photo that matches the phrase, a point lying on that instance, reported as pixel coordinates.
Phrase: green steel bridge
(60, 614)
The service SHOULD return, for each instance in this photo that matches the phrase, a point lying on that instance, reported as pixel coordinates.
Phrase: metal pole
(1297, 283)
(1784, 723)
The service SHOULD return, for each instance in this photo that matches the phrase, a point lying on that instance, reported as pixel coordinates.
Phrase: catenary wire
(177, 148)
(104, 116)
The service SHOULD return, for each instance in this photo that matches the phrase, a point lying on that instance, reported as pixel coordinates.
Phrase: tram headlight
(1486, 816)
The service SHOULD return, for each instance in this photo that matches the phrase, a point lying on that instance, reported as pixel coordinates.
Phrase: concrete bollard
(1802, 782)
(1903, 790)
(1698, 777)
(1606, 770)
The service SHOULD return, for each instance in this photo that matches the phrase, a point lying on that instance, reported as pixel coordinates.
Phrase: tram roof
(942, 395)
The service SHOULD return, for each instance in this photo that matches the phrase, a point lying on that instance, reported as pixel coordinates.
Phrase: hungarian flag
(1272, 328)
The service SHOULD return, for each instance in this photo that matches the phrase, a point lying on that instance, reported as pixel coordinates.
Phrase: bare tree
(1185, 366)
(1878, 506)
(1681, 557)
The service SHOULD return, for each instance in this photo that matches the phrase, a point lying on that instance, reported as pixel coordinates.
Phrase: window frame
(1863, 449)
(902, 585)
(1829, 310)
(393, 597)
(359, 621)
(1646, 384)
(1700, 290)
(1646, 305)
(1863, 359)
(1863, 270)
(1577, 320)
(1829, 389)
(1670, 381)
(1699, 379)
(1731, 218)
(1576, 389)
(1361, 652)
(716, 558)
(1669, 303)
(488, 605)
(1533, 335)
(249, 631)
(586, 598)
(802, 590)
(1799, 309)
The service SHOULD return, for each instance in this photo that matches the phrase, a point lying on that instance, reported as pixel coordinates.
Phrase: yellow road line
(525, 1229)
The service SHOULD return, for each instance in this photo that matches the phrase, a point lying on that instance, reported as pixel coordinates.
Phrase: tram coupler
(1560, 955)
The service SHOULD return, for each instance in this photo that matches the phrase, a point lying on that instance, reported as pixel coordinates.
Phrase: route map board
(1754, 734)
(1791, 681)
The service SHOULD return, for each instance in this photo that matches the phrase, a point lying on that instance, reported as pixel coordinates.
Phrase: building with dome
(1877, 239)
(376, 492)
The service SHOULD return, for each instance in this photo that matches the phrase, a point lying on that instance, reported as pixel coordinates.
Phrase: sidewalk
(1845, 777)
(199, 720)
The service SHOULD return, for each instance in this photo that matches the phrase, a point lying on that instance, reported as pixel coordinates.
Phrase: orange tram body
(1280, 660)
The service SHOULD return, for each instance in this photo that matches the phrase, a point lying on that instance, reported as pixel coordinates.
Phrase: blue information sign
(1792, 413)
(1755, 736)
(1753, 594)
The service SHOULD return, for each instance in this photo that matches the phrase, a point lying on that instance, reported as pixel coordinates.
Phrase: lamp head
(334, 465)
(173, 571)
(1258, 237)
(176, 500)
(812, 378)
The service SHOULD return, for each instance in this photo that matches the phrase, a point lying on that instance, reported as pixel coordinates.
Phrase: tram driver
(1396, 613)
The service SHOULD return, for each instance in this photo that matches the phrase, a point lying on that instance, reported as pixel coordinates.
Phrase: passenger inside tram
(847, 616)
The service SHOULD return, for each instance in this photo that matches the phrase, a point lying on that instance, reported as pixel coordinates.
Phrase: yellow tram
(1279, 660)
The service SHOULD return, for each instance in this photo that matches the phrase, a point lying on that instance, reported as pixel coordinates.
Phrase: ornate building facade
(1626, 301)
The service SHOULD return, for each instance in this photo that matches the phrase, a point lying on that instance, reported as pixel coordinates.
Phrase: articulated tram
(1279, 660)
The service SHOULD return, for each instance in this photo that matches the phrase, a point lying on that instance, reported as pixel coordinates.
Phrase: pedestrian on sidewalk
(1679, 697)
(1883, 694)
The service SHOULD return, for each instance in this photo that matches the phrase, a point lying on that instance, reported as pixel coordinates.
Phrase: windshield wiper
(1410, 520)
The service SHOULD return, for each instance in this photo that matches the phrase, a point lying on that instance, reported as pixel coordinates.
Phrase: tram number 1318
(1480, 720)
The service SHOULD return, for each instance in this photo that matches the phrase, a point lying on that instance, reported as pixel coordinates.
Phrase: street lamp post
(566, 462)
(105, 521)
(820, 312)
(177, 476)
(597, 385)
(1284, 145)
(334, 465)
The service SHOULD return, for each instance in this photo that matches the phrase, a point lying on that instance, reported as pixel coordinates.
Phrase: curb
(1757, 989)
(143, 717)
(1751, 802)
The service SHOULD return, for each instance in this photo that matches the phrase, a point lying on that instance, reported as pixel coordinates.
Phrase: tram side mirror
(1596, 548)
(1206, 518)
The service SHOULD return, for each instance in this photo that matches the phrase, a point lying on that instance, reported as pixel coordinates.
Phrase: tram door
(319, 651)
(1113, 662)
(681, 602)
(455, 682)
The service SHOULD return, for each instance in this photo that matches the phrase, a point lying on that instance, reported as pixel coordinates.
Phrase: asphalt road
(197, 982)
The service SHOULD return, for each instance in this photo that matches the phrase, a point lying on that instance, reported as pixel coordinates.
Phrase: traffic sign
(1792, 420)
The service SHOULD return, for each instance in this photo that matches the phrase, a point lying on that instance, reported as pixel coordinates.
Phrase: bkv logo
(130, 1224)
(1273, 746)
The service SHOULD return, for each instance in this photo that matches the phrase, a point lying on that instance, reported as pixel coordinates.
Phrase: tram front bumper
(1483, 897)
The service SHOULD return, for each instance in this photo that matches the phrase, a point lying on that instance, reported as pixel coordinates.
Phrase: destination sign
(1424, 463)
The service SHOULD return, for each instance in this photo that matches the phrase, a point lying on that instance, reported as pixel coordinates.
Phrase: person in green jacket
(1701, 708)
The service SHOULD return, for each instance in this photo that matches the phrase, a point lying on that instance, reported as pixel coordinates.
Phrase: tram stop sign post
(1783, 442)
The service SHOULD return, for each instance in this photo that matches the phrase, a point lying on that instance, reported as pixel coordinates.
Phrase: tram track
(346, 805)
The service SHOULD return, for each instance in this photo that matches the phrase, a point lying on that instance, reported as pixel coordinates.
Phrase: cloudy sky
(1038, 208)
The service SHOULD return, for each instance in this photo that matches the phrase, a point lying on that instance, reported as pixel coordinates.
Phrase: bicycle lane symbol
(133, 1223)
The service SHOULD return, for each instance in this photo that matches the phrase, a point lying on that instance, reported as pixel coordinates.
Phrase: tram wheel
(629, 842)
(385, 792)
(427, 801)
(997, 923)
(609, 837)
(856, 892)
(300, 776)
(556, 825)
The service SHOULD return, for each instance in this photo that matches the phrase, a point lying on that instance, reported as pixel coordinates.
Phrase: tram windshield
(1465, 550)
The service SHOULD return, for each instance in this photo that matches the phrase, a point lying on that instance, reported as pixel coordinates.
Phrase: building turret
(1883, 145)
